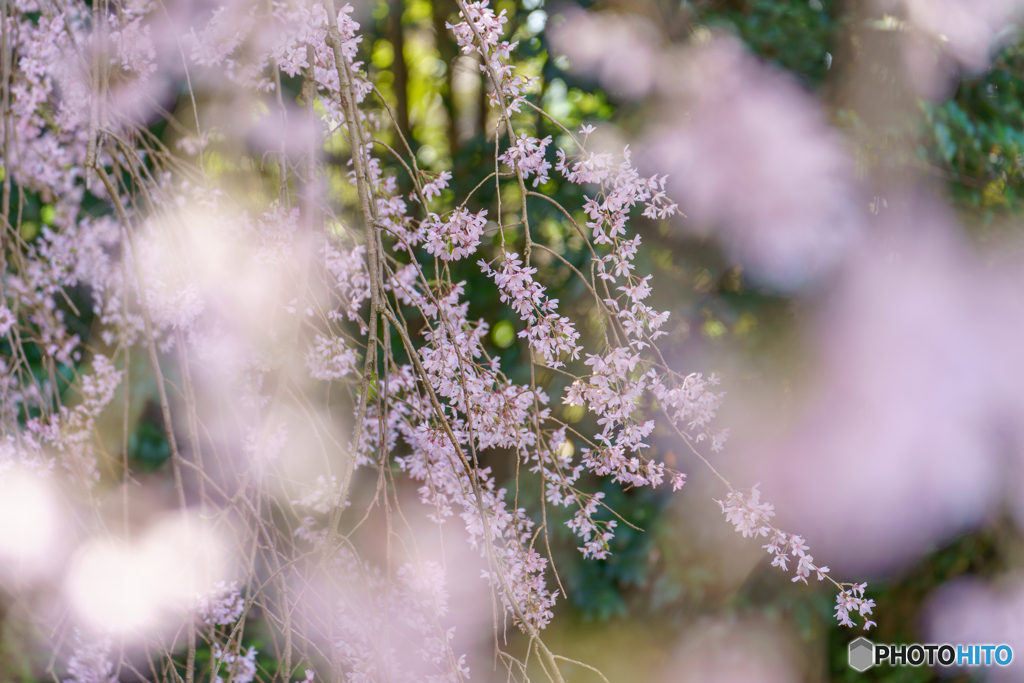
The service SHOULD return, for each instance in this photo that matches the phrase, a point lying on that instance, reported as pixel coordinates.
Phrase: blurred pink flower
(903, 421)
(967, 611)
(620, 49)
(970, 29)
(966, 31)
(731, 651)
(755, 160)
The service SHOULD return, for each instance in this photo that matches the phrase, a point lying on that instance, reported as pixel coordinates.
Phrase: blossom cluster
(221, 607)
(455, 238)
(549, 334)
(752, 518)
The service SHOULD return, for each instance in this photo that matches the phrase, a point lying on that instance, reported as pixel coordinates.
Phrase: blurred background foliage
(659, 582)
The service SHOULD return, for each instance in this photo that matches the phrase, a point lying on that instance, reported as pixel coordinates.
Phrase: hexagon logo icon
(862, 654)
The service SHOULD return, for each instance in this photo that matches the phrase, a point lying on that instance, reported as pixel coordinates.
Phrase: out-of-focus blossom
(7, 320)
(268, 446)
(286, 130)
(620, 49)
(276, 230)
(754, 159)
(222, 34)
(330, 359)
(733, 652)
(29, 521)
(125, 588)
(967, 611)
(1003, 308)
(902, 418)
(409, 609)
(966, 31)
(90, 661)
(222, 606)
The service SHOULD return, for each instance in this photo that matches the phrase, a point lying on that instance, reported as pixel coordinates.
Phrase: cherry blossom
(456, 237)
(221, 607)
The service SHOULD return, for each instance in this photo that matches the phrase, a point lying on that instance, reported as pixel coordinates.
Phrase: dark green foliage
(796, 35)
(147, 444)
(976, 139)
